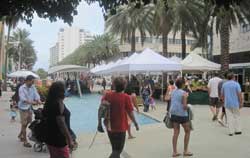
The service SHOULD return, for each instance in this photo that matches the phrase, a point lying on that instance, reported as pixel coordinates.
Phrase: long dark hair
(56, 92)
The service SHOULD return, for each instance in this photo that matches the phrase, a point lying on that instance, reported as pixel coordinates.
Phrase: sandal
(176, 155)
(188, 154)
(21, 139)
(26, 144)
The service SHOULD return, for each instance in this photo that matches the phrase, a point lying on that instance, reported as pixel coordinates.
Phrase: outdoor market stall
(195, 63)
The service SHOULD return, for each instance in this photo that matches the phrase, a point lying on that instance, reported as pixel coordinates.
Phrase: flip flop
(176, 155)
(188, 154)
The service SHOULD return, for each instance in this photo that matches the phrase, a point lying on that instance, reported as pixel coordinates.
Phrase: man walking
(28, 96)
(231, 93)
(214, 95)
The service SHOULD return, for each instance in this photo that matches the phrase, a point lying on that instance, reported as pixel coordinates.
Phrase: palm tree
(129, 19)
(11, 22)
(101, 48)
(204, 29)
(23, 53)
(227, 15)
(186, 13)
(163, 23)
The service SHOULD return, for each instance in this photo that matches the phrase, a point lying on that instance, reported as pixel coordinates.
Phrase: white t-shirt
(213, 85)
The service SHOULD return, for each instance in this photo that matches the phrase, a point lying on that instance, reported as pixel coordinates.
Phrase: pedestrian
(146, 93)
(120, 109)
(170, 89)
(231, 93)
(59, 137)
(213, 92)
(28, 97)
(179, 116)
(104, 83)
(223, 111)
(1, 88)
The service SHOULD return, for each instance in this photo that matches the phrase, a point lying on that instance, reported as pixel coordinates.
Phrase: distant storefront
(240, 65)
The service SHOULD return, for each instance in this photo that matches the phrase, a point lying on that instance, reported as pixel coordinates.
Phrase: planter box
(198, 97)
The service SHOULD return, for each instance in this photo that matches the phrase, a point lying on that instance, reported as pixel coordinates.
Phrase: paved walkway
(208, 139)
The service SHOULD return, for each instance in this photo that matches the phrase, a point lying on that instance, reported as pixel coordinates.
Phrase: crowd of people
(224, 95)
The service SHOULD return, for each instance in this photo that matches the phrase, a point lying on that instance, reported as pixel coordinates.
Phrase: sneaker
(221, 122)
(230, 134)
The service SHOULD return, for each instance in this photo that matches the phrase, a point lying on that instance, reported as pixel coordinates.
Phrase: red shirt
(120, 106)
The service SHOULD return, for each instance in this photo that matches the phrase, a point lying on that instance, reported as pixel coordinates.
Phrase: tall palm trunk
(211, 34)
(183, 43)
(165, 43)
(224, 41)
(133, 42)
(6, 58)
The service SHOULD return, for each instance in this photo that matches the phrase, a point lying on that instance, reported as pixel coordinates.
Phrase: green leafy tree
(22, 45)
(163, 23)
(51, 9)
(101, 48)
(42, 73)
(186, 13)
(129, 19)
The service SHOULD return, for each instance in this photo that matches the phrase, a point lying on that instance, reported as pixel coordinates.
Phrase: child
(13, 109)
(152, 103)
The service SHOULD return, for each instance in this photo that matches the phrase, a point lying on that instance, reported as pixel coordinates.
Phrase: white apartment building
(69, 39)
(155, 43)
(54, 55)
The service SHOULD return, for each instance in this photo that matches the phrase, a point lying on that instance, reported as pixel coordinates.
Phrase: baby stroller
(39, 129)
(35, 136)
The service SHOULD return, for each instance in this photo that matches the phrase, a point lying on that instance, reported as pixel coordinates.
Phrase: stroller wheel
(44, 147)
(38, 147)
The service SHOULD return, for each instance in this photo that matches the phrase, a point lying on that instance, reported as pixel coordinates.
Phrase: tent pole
(162, 86)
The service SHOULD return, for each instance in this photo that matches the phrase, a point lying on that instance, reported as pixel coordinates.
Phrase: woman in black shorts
(179, 116)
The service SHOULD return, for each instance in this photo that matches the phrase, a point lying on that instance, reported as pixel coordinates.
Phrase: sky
(44, 33)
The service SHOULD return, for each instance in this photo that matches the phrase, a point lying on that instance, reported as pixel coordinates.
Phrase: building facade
(69, 39)
(54, 55)
(155, 43)
(239, 51)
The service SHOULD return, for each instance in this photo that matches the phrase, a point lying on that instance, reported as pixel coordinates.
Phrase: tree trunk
(6, 59)
(224, 41)
(133, 42)
(183, 43)
(211, 34)
(165, 44)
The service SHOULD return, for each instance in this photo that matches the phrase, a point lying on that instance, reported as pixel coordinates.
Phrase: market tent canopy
(147, 61)
(67, 68)
(22, 73)
(176, 59)
(194, 62)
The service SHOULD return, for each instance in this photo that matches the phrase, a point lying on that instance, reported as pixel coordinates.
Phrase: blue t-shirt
(230, 90)
(176, 107)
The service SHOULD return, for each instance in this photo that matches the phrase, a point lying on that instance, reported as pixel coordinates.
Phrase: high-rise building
(69, 39)
(54, 55)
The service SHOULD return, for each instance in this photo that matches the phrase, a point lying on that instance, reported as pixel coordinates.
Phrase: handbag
(168, 121)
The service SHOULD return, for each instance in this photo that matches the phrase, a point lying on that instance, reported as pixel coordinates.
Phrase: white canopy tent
(194, 62)
(147, 61)
(176, 59)
(23, 73)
